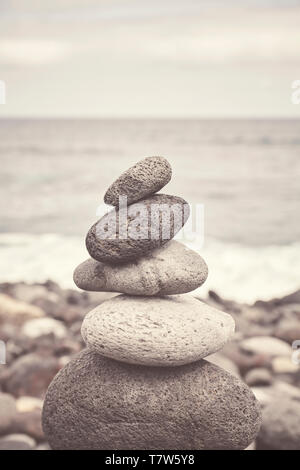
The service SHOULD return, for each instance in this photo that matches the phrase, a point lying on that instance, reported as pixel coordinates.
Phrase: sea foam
(241, 272)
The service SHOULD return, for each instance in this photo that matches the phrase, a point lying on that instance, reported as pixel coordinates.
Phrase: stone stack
(142, 382)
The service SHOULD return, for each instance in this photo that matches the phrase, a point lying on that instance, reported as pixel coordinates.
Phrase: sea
(245, 174)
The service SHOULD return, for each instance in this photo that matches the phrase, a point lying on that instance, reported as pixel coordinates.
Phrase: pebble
(26, 404)
(99, 403)
(141, 180)
(29, 423)
(16, 311)
(280, 428)
(284, 365)
(166, 331)
(8, 412)
(171, 269)
(43, 446)
(30, 375)
(278, 391)
(243, 360)
(258, 377)
(288, 330)
(29, 293)
(266, 345)
(44, 326)
(143, 232)
(17, 442)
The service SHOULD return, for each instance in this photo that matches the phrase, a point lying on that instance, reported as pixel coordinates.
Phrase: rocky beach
(40, 325)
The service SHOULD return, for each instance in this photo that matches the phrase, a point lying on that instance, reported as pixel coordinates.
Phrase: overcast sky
(149, 58)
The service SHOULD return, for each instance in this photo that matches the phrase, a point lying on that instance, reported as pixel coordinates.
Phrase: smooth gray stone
(141, 180)
(171, 269)
(156, 331)
(99, 403)
(141, 232)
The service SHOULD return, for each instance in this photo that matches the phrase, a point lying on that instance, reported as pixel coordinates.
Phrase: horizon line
(150, 118)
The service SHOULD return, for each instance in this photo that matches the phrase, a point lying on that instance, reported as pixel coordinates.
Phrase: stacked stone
(142, 383)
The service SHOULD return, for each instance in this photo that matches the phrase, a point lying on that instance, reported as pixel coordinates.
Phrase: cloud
(33, 52)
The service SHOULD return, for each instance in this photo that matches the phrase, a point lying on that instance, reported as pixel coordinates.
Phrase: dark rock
(142, 231)
(143, 179)
(99, 403)
(30, 375)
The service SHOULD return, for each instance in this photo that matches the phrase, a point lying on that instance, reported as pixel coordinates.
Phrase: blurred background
(92, 86)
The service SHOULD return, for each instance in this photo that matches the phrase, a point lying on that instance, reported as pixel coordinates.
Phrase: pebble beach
(42, 334)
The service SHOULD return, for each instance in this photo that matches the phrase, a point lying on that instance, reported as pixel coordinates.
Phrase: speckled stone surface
(99, 403)
(143, 231)
(161, 331)
(171, 269)
(141, 180)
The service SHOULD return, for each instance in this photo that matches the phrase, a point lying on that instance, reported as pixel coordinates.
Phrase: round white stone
(166, 331)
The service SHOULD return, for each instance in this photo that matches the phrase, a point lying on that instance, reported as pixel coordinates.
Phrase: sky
(149, 59)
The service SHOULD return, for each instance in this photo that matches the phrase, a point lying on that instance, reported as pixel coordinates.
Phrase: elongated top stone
(171, 269)
(161, 331)
(125, 234)
(141, 180)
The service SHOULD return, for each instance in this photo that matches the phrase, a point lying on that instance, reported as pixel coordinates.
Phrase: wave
(240, 272)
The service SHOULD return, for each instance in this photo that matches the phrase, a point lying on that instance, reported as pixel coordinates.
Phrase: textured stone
(99, 403)
(171, 269)
(141, 180)
(149, 224)
(166, 331)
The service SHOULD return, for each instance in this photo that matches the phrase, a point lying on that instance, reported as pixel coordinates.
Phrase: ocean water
(246, 173)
